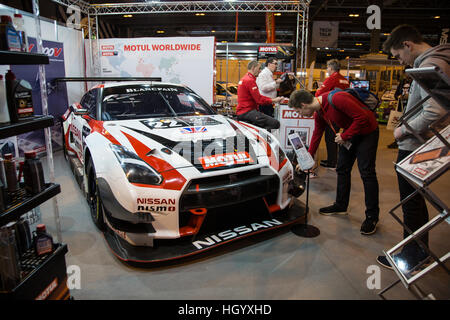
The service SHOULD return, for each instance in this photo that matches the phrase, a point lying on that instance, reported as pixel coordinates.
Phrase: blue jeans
(364, 148)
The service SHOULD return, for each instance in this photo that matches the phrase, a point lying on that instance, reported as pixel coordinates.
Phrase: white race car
(158, 165)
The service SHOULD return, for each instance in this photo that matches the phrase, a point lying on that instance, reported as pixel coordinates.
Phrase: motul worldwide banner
(180, 60)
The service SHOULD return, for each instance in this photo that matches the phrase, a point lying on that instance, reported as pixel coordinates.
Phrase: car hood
(209, 143)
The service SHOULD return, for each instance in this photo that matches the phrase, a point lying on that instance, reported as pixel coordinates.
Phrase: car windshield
(137, 102)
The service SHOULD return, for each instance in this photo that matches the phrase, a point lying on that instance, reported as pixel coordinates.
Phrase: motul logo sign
(291, 114)
(268, 49)
(226, 159)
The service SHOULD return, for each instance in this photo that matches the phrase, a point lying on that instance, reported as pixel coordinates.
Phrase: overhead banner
(180, 60)
(325, 34)
(284, 52)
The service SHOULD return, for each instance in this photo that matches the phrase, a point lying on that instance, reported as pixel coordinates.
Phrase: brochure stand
(424, 166)
(306, 230)
(305, 162)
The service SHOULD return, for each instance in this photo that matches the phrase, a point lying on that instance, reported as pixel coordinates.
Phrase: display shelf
(28, 202)
(25, 125)
(16, 58)
(43, 277)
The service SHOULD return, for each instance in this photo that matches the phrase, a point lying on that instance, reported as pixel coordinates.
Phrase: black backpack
(369, 99)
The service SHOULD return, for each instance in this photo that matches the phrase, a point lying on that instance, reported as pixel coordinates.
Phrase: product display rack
(43, 277)
(440, 164)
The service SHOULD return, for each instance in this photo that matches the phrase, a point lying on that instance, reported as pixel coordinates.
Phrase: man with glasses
(249, 99)
(267, 85)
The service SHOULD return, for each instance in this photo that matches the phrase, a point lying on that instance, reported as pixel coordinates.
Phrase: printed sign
(179, 60)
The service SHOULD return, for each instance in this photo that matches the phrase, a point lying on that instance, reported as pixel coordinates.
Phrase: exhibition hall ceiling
(354, 38)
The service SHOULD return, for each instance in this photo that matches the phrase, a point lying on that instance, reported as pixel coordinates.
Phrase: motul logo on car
(226, 159)
(268, 49)
(230, 234)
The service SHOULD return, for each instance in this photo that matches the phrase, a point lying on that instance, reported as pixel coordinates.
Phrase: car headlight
(136, 170)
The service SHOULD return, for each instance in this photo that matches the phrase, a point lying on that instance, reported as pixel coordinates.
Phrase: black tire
(93, 198)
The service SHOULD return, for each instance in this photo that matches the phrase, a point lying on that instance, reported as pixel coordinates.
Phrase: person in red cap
(249, 99)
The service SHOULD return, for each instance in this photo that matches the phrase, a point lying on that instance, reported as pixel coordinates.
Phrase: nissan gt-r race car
(166, 177)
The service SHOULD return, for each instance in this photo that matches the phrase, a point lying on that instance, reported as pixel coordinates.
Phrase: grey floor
(282, 266)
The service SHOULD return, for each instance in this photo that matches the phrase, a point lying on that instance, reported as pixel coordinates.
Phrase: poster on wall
(57, 97)
(179, 60)
(325, 34)
(290, 122)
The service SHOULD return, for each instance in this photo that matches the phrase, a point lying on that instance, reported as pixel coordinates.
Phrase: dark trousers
(415, 212)
(266, 109)
(332, 147)
(259, 119)
(364, 148)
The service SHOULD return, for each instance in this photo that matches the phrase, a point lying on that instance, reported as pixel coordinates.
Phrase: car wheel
(93, 198)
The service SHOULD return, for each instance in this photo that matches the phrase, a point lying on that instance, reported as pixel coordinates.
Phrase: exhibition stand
(424, 166)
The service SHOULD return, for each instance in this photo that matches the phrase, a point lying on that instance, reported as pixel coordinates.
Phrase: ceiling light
(160, 31)
(386, 34)
(277, 14)
(353, 15)
(341, 50)
(199, 14)
(127, 15)
(437, 17)
(213, 31)
(329, 55)
(358, 44)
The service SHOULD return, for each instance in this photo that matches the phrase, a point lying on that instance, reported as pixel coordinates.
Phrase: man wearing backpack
(359, 140)
(335, 80)
(406, 44)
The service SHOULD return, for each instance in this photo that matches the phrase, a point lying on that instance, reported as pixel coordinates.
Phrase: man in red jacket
(359, 140)
(335, 80)
(249, 99)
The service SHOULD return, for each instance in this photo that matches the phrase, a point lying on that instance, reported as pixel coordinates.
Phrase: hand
(277, 99)
(398, 133)
(279, 80)
(339, 139)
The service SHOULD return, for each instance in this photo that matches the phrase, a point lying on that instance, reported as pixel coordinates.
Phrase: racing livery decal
(226, 159)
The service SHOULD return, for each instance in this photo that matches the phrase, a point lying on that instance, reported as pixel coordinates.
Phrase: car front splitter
(172, 249)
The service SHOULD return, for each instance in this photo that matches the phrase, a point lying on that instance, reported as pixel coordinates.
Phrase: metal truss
(187, 6)
(83, 5)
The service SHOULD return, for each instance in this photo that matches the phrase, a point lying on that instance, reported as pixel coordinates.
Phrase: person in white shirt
(267, 85)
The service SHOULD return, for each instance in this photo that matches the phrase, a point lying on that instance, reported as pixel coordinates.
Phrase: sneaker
(332, 210)
(324, 163)
(369, 226)
(382, 260)
(313, 175)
